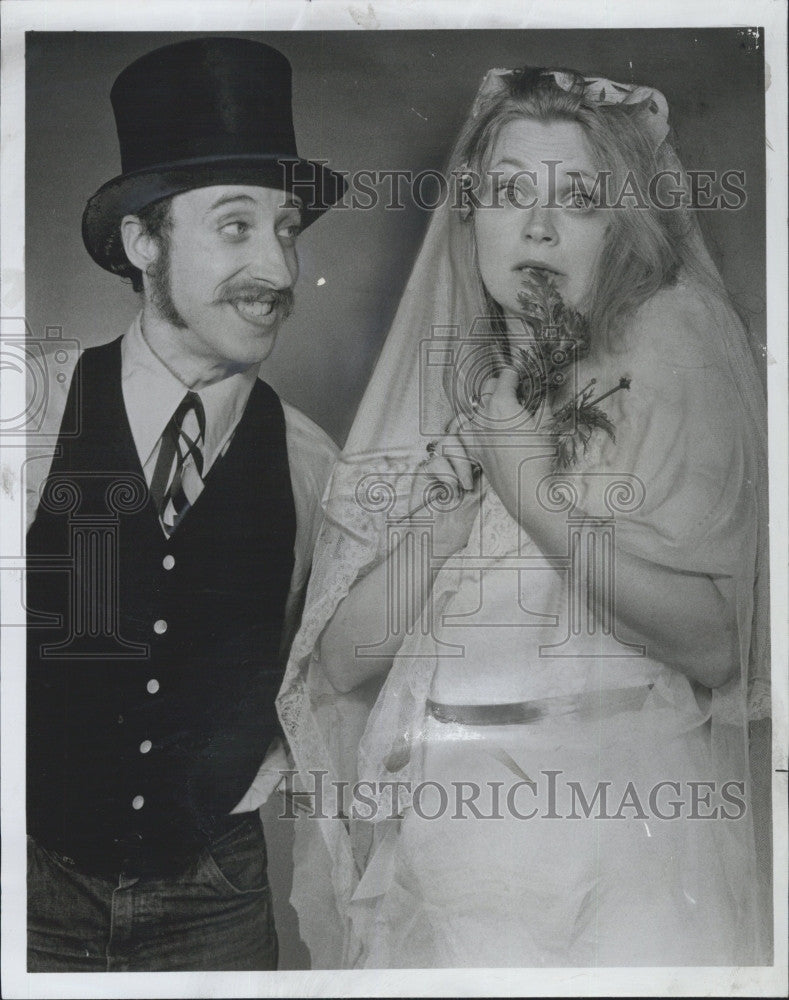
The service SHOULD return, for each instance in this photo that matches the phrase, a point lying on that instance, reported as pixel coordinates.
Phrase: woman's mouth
(541, 268)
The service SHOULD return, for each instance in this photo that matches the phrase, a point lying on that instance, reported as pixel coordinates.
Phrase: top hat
(202, 112)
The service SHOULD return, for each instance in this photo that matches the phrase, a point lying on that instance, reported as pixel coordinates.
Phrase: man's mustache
(281, 299)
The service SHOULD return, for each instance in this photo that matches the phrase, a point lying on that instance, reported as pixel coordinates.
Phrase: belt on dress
(590, 704)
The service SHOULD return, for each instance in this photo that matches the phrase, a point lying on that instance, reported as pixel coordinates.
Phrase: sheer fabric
(691, 432)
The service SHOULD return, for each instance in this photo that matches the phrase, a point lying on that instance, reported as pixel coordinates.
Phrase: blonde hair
(646, 247)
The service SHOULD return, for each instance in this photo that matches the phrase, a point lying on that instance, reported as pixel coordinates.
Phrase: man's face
(225, 282)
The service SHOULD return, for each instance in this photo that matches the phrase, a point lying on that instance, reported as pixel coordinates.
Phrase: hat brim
(314, 184)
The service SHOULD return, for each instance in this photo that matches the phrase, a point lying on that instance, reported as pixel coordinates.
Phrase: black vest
(151, 682)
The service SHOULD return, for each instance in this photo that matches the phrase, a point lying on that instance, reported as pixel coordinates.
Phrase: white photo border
(19, 16)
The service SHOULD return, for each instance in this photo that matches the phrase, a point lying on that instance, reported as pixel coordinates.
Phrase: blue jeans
(217, 915)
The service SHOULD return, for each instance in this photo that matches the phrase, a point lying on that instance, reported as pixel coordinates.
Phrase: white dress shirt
(151, 394)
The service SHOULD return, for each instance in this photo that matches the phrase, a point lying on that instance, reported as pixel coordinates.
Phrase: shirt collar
(151, 394)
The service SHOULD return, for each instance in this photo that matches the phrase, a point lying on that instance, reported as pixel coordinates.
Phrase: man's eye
(289, 232)
(235, 229)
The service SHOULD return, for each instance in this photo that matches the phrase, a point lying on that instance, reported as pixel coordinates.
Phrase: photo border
(18, 16)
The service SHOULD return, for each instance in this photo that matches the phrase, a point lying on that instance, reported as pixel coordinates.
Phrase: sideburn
(160, 288)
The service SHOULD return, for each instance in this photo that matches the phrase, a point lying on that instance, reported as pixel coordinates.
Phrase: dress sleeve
(311, 458)
(683, 435)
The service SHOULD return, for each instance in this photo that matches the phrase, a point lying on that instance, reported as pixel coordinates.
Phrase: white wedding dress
(649, 877)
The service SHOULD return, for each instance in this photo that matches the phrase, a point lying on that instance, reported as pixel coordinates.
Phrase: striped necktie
(178, 476)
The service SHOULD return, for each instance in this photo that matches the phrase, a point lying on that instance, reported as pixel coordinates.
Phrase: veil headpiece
(653, 108)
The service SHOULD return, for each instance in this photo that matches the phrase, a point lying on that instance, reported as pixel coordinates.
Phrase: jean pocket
(237, 862)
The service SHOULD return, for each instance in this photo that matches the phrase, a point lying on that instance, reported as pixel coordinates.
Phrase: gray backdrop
(377, 101)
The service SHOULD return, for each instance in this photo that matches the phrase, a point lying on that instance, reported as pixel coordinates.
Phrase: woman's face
(540, 217)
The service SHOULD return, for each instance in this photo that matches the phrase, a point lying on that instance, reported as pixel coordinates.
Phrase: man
(173, 536)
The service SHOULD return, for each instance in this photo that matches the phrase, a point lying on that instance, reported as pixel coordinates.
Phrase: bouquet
(560, 338)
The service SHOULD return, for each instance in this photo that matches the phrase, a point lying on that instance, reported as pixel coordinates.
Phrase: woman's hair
(645, 247)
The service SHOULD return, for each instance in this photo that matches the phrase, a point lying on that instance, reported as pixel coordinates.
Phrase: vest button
(160, 626)
(168, 562)
(138, 802)
(146, 746)
(152, 686)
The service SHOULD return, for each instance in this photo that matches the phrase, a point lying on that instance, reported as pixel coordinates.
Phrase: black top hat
(202, 112)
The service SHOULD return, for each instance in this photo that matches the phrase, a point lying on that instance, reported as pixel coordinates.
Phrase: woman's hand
(502, 440)
(448, 491)
(450, 501)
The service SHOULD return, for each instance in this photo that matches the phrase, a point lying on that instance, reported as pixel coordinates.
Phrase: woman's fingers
(488, 387)
(498, 399)
(451, 465)
(455, 455)
(499, 388)
(436, 472)
(439, 467)
(461, 446)
(455, 447)
(507, 382)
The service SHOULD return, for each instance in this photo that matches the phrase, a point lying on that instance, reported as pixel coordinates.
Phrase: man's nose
(538, 225)
(271, 262)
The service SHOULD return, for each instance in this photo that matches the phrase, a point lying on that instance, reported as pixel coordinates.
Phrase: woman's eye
(510, 186)
(514, 192)
(493, 183)
(578, 199)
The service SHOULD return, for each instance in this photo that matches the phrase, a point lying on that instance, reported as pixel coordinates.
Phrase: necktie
(178, 475)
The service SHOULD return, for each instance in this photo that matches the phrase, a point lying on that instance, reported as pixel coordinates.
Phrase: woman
(567, 633)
